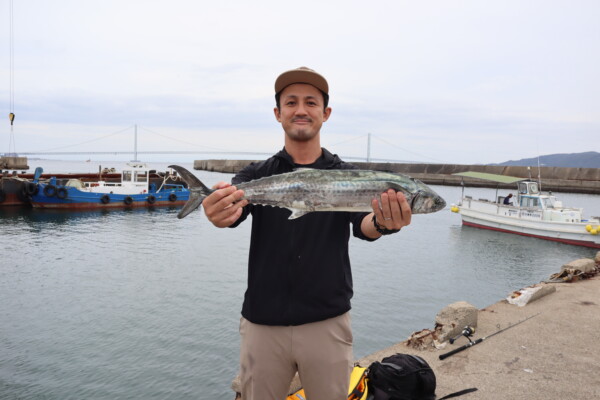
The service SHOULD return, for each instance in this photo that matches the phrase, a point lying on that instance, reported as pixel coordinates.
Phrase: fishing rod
(468, 331)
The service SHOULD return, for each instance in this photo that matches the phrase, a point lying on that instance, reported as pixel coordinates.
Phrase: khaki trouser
(321, 352)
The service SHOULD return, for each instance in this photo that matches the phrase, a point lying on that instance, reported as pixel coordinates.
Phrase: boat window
(127, 176)
(530, 202)
(548, 202)
(522, 187)
(533, 188)
(141, 176)
(524, 201)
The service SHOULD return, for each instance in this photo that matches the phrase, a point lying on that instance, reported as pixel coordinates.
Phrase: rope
(408, 151)
(181, 141)
(11, 102)
(88, 141)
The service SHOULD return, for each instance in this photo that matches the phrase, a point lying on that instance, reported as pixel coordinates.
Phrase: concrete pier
(553, 354)
(570, 180)
(13, 162)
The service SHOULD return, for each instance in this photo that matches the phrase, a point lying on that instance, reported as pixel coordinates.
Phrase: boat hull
(72, 198)
(12, 192)
(573, 233)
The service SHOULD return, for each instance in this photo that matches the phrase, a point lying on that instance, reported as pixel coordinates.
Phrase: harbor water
(137, 304)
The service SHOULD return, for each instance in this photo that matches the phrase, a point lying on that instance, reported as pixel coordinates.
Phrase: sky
(466, 82)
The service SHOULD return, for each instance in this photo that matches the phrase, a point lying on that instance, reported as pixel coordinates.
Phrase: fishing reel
(467, 332)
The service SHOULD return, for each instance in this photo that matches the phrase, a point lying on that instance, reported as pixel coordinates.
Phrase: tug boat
(531, 213)
(15, 188)
(134, 189)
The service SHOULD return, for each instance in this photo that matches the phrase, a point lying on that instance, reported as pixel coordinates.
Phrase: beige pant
(321, 352)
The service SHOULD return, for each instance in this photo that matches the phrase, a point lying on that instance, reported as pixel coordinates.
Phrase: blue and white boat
(134, 190)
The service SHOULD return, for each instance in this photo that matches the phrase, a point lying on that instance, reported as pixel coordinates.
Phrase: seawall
(571, 180)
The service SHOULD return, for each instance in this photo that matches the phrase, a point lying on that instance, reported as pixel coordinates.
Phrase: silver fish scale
(307, 190)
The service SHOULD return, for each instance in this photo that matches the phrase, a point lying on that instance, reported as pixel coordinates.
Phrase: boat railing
(102, 183)
(170, 187)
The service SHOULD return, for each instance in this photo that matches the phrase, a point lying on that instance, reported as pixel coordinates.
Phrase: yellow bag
(356, 391)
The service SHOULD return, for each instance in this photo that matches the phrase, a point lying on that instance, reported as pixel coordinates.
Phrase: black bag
(404, 377)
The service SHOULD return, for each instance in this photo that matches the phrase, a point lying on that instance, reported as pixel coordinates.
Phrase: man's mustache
(302, 119)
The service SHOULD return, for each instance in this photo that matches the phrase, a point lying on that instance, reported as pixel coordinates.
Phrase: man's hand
(224, 206)
(393, 213)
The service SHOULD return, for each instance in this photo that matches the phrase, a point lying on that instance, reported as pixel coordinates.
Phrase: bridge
(204, 151)
(164, 152)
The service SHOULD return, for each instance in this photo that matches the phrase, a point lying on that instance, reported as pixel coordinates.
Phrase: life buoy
(2, 196)
(31, 188)
(128, 200)
(105, 199)
(49, 190)
(151, 199)
(172, 197)
(62, 193)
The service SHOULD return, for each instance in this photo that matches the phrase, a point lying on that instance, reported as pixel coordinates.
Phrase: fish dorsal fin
(297, 213)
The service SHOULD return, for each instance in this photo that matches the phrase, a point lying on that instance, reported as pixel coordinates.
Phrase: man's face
(301, 114)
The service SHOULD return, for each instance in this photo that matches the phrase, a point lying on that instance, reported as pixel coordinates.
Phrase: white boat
(531, 213)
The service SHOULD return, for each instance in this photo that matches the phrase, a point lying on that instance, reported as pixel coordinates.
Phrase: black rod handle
(459, 349)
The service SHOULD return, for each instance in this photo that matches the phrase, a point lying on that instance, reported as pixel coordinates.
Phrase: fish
(307, 190)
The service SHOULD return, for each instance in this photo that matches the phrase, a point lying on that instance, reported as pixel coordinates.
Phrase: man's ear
(277, 114)
(326, 114)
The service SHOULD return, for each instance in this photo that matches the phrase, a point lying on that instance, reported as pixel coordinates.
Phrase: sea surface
(137, 304)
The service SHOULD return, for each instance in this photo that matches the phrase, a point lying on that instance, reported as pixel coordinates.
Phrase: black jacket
(298, 270)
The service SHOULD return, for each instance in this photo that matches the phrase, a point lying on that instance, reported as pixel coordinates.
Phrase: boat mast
(369, 148)
(135, 152)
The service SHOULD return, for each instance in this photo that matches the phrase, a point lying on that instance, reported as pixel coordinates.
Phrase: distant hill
(589, 159)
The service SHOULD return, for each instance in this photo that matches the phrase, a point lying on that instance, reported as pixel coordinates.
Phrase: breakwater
(571, 180)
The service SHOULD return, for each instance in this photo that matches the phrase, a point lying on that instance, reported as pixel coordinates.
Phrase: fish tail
(198, 191)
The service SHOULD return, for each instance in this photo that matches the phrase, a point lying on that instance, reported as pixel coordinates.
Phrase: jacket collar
(326, 161)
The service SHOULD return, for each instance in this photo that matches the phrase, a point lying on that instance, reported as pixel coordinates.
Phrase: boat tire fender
(31, 188)
(128, 200)
(105, 199)
(62, 193)
(172, 197)
(50, 190)
(151, 199)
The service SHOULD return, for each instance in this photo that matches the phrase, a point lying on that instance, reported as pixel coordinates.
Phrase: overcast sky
(436, 81)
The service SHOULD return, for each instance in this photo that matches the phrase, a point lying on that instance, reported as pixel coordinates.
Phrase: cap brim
(301, 76)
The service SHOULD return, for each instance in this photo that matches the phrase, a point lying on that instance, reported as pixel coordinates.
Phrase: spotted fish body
(309, 190)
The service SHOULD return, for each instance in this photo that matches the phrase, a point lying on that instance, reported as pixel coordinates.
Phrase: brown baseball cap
(301, 75)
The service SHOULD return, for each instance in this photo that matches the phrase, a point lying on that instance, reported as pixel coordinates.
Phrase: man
(508, 199)
(295, 312)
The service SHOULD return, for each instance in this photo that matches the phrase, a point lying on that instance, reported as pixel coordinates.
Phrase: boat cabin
(136, 176)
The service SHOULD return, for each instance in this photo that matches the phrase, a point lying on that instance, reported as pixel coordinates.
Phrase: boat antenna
(539, 175)
(537, 142)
